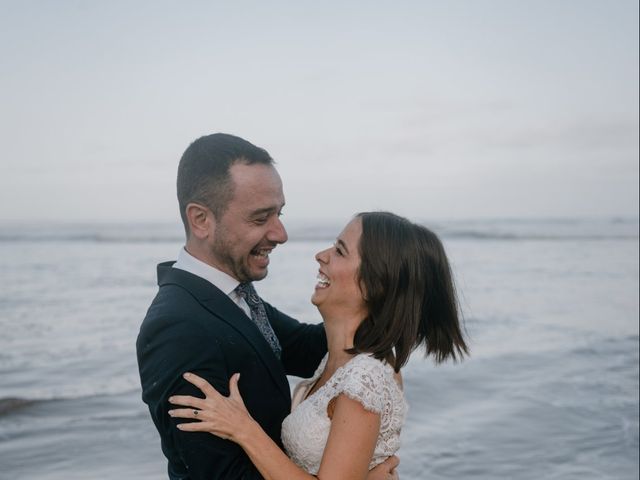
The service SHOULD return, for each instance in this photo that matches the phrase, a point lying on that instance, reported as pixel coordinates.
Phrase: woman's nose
(321, 257)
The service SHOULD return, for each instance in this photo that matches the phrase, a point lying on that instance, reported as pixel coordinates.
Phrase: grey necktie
(259, 315)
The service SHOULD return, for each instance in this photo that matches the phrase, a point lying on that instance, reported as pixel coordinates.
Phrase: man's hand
(386, 470)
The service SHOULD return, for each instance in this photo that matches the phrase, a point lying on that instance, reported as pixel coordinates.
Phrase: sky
(431, 109)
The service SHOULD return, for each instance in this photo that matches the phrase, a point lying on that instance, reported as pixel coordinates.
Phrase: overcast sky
(432, 109)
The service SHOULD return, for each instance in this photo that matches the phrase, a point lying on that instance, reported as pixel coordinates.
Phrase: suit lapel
(220, 305)
(230, 313)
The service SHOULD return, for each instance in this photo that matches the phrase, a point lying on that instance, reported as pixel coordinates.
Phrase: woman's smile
(337, 292)
(323, 280)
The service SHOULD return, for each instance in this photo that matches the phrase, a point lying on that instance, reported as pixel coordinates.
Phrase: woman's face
(337, 290)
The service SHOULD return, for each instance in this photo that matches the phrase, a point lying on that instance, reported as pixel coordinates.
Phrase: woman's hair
(408, 289)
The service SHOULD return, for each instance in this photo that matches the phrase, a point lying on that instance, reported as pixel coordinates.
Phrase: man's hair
(408, 290)
(203, 172)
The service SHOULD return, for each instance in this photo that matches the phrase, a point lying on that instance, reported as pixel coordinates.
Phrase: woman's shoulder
(368, 381)
(365, 362)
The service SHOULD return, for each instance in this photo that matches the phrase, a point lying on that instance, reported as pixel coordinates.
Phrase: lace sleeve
(364, 381)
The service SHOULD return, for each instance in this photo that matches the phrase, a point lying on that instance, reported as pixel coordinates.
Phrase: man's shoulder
(173, 300)
(183, 297)
(177, 289)
(174, 313)
(175, 303)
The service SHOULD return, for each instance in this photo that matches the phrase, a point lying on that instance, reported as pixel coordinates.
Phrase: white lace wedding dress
(369, 381)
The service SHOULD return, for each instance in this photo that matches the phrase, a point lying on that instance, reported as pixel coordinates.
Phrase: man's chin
(255, 275)
(255, 267)
(262, 276)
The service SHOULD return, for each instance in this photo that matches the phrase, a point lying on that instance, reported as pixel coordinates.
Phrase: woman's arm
(352, 440)
(227, 417)
(349, 449)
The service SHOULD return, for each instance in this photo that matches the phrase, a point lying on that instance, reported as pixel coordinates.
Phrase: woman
(384, 289)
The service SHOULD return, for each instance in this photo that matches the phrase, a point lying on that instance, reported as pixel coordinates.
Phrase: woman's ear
(363, 289)
(200, 220)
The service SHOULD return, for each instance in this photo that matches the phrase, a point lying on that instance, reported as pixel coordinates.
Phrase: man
(207, 317)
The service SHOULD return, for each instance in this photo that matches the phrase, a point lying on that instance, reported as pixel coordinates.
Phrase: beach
(550, 389)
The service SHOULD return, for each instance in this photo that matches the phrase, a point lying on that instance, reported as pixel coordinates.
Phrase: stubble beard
(237, 268)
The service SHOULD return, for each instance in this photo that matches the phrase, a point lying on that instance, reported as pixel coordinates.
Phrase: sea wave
(481, 230)
(479, 235)
(9, 405)
(88, 238)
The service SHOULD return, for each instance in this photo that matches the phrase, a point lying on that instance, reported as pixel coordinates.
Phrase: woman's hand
(226, 417)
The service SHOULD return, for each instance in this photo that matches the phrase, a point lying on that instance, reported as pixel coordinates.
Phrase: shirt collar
(223, 281)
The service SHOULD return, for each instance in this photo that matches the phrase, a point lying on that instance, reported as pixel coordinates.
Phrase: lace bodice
(369, 381)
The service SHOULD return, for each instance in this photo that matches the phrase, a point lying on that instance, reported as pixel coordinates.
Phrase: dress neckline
(320, 370)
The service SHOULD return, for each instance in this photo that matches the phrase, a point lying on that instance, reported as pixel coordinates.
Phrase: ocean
(550, 390)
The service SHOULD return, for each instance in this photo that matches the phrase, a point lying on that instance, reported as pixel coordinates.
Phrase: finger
(193, 427)
(185, 413)
(201, 427)
(233, 386)
(187, 401)
(392, 462)
(201, 383)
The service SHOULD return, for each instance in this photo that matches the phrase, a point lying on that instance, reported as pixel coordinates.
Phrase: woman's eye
(338, 251)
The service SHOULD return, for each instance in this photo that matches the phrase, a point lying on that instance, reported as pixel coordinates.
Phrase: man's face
(250, 227)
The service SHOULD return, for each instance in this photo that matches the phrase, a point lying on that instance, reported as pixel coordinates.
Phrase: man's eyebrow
(262, 211)
(342, 244)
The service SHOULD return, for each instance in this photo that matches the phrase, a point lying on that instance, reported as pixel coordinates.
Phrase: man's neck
(189, 262)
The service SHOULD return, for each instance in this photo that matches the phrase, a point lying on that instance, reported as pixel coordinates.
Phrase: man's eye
(260, 221)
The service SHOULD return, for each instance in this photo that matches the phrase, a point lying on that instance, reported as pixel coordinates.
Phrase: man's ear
(200, 220)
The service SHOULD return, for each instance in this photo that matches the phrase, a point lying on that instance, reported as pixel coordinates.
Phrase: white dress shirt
(223, 281)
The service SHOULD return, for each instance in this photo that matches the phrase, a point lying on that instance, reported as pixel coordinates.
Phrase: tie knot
(248, 293)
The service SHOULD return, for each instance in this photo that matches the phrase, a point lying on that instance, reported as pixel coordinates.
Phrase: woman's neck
(340, 334)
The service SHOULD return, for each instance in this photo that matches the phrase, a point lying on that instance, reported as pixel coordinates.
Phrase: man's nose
(277, 232)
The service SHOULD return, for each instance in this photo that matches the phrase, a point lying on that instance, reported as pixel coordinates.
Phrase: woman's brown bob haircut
(408, 289)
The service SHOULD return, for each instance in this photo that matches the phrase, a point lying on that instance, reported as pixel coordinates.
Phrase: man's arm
(303, 344)
(207, 456)
(167, 350)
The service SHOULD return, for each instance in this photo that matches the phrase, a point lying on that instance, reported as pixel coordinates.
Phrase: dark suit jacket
(193, 326)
